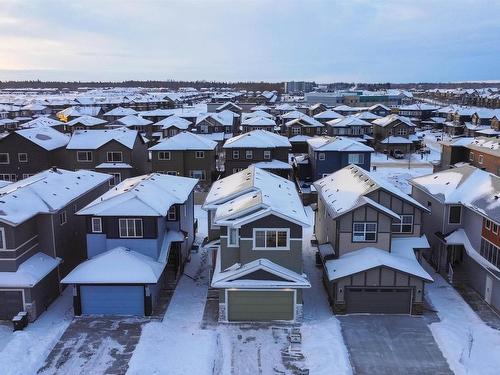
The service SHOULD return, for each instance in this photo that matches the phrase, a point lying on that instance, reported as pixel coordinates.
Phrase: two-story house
(394, 134)
(138, 239)
(327, 115)
(264, 149)
(258, 266)
(258, 123)
(329, 154)
(349, 126)
(171, 126)
(85, 123)
(370, 239)
(41, 238)
(119, 152)
(462, 227)
(484, 153)
(29, 151)
(118, 112)
(219, 122)
(186, 154)
(303, 126)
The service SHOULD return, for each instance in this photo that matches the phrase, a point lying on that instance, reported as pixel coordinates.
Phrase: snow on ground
(399, 176)
(23, 352)
(467, 343)
(322, 341)
(178, 345)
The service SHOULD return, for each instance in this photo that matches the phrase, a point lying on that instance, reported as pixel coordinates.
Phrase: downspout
(54, 252)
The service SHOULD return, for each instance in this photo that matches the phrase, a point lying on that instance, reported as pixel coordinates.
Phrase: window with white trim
(267, 154)
(236, 154)
(271, 239)
(321, 156)
(22, 157)
(295, 131)
(232, 237)
(114, 156)
(249, 154)
(84, 156)
(63, 218)
(355, 158)
(487, 224)
(172, 213)
(471, 156)
(130, 228)
(199, 174)
(4, 158)
(455, 215)
(96, 225)
(164, 155)
(364, 232)
(199, 154)
(117, 178)
(494, 228)
(8, 177)
(403, 226)
(481, 159)
(3, 243)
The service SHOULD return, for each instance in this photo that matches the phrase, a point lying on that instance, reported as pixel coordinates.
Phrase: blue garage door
(112, 300)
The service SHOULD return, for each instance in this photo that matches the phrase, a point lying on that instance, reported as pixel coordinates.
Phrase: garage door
(260, 305)
(112, 300)
(11, 302)
(378, 300)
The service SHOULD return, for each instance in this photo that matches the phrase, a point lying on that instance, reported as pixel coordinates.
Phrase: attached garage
(251, 305)
(112, 300)
(378, 300)
(11, 303)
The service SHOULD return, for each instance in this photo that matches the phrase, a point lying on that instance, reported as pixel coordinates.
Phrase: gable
(262, 275)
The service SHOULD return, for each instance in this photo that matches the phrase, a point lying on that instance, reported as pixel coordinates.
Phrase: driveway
(95, 345)
(397, 344)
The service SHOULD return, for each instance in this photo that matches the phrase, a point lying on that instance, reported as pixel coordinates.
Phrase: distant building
(299, 86)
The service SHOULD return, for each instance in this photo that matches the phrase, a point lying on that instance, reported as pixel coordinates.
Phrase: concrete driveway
(397, 344)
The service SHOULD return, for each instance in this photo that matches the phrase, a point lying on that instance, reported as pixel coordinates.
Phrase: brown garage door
(11, 302)
(378, 300)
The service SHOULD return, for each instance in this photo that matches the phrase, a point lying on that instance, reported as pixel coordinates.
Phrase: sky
(250, 40)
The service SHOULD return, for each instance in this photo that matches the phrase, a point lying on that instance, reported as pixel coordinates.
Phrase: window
(356, 158)
(3, 244)
(236, 154)
(455, 215)
(164, 155)
(172, 173)
(84, 156)
(490, 252)
(117, 178)
(364, 232)
(199, 174)
(172, 213)
(26, 175)
(487, 224)
(232, 238)
(267, 154)
(130, 228)
(96, 225)
(63, 218)
(115, 157)
(481, 159)
(236, 170)
(401, 131)
(495, 228)
(249, 154)
(199, 154)
(271, 239)
(4, 158)
(8, 177)
(75, 208)
(471, 156)
(295, 131)
(403, 226)
(22, 157)
(321, 156)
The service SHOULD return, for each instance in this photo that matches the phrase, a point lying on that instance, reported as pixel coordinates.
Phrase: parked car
(398, 155)
(424, 150)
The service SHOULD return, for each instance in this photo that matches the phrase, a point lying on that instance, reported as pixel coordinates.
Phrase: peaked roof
(86, 121)
(389, 119)
(259, 121)
(133, 120)
(120, 111)
(176, 121)
(117, 266)
(325, 143)
(348, 121)
(328, 114)
(93, 139)
(184, 141)
(47, 137)
(41, 122)
(147, 195)
(257, 139)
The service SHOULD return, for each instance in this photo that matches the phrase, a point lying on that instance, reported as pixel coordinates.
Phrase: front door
(488, 289)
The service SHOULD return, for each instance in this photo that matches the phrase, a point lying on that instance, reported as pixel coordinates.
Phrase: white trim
(16, 290)
(237, 243)
(17, 248)
(287, 230)
(114, 152)
(126, 225)
(87, 160)
(21, 255)
(96, 219)
(2, 237)
(8, 158)
(261, 290)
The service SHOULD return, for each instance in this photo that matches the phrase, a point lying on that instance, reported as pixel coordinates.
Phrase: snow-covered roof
(111, 165)
(370, 257)
(133, 120)
(460, 141)
(224, 118)
(47, 137)
(178, 122)
(234, 276)
(347, 189)
(257, 139)
(299, 138)
(93, 139)
(258, 121)
(254, 193)
(41, 122)
(86, 121)
(116, 266)
(395, 140)
(328, 114)
(228, 105)
(45, 192)
(184, 141)
(305, 121)
(147, 195)
(30, 272)
(258, 113)
(325, 143)
(348, 121)
(273, 164)
(366, 115)
(389, 119)
(120, 111)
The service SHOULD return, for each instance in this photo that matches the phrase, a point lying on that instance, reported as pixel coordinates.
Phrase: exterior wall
(244, 253)
(278, 153)
(452, 155)
(22, 242)
(490, 163)
(333, 162)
